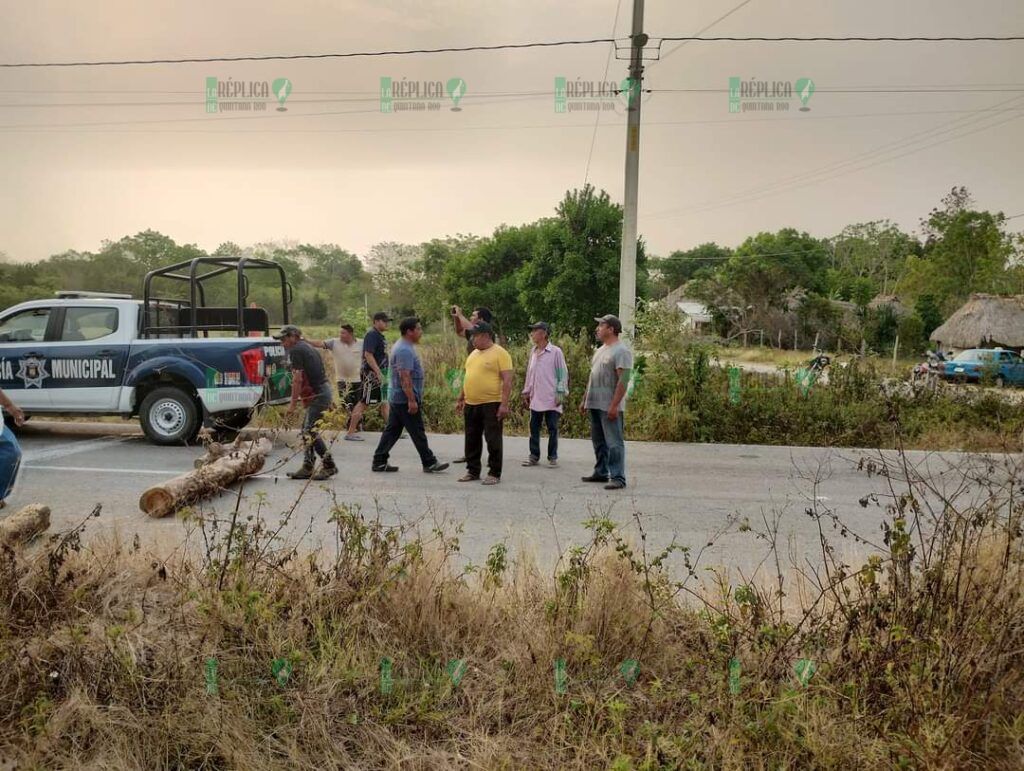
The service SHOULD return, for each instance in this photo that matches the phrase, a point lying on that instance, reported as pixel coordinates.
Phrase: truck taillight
(252, 363)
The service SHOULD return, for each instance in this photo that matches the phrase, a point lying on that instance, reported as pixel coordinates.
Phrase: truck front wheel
(169, 416)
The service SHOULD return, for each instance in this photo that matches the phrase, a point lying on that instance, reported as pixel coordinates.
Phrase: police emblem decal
(32, 370)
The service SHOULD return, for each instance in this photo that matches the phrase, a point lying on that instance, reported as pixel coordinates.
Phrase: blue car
(976, 364)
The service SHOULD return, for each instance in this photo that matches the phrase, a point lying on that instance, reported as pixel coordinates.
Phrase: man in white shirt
(347, 352)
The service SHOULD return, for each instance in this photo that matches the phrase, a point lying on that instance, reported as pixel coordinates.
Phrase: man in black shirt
(308, 375)
(375, 362)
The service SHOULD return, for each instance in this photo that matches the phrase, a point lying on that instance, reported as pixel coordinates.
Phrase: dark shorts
(350, 393)
(372, 392)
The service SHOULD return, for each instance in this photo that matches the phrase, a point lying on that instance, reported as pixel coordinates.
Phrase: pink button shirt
(547, 379)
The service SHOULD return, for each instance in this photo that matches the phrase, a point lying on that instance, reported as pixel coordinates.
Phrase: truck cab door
(88, 359)
(25, 345)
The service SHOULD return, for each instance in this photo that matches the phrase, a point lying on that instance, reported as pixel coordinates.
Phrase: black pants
(482, 424)
(398, 419)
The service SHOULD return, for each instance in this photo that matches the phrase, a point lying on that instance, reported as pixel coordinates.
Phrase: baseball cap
(286, 330)
(382, 316)
(540, 325)
(610, 320)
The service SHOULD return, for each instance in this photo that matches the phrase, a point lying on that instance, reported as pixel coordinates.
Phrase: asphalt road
(688, 492)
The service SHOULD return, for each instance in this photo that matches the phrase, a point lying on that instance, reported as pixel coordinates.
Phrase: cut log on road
(25, 524)
(243, 461)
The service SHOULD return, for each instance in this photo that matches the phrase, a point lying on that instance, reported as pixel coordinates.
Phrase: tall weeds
(238, 651)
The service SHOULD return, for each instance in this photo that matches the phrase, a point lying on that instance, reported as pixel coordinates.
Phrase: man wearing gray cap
(308, 369)
(605, 399)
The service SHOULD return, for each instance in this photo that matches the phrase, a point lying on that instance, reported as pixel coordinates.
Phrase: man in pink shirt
(545, 389)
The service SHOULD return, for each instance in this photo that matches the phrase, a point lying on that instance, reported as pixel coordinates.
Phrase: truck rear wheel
(169, 416)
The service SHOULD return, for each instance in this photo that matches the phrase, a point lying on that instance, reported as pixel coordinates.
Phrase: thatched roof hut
(890, 301)
(984, 321)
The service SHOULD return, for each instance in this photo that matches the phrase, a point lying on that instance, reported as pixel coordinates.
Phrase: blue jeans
(10, 459)
(549, 417)
(609, 446)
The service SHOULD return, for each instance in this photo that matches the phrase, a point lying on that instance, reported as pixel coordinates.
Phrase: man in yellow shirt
(486, 389)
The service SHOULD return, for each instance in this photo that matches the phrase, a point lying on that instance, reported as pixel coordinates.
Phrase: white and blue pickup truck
(87, 353)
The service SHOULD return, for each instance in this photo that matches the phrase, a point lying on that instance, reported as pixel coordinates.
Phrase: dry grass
(917, 651)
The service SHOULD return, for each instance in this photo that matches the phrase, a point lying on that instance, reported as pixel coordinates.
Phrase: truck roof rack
(76, 294)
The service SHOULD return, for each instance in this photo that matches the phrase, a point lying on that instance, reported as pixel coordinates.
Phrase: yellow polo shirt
(482, 383)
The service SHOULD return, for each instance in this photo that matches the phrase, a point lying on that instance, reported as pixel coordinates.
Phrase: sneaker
(553, 462)
(615, 484)
(491, 480)
(305, 471)
(460, 460)
(469, 478)
(354, 438)
(436, 468)
(386, 467)
(531, 462)
(594, 478)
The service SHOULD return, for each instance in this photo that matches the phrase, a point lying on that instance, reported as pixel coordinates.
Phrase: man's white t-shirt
(347, 359)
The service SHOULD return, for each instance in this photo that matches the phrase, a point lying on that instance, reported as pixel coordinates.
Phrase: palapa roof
(985, 320)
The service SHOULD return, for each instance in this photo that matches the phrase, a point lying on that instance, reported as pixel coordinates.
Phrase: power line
(723, 17)
(792, 186)
(293, 57)
(199, 100)
(884, 148)
(904, 88)
(513, 46)
(852, 39)
(70, 128)
(597, 118)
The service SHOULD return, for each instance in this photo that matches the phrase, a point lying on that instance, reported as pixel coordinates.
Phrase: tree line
(871, 282)
(787, 285)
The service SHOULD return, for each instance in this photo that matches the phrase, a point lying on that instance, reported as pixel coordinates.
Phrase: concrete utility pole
(627, 262)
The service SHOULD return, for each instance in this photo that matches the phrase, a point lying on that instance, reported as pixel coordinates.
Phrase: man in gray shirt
(605, 399)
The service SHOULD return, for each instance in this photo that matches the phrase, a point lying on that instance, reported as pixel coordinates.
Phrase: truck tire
(169, 416)
(227, 425)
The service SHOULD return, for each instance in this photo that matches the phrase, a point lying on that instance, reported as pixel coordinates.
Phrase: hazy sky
(97, 153)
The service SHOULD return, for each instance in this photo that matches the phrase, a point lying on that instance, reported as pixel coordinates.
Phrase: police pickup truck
(171, 363)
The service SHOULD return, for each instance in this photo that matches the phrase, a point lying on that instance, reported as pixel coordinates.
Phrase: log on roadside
(25, 524)
(166, 498)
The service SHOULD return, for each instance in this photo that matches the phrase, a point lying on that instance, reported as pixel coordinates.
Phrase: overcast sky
(333, 168)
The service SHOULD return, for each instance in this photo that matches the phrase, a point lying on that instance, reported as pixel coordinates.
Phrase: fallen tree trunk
(25, 524)
(243, 461)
